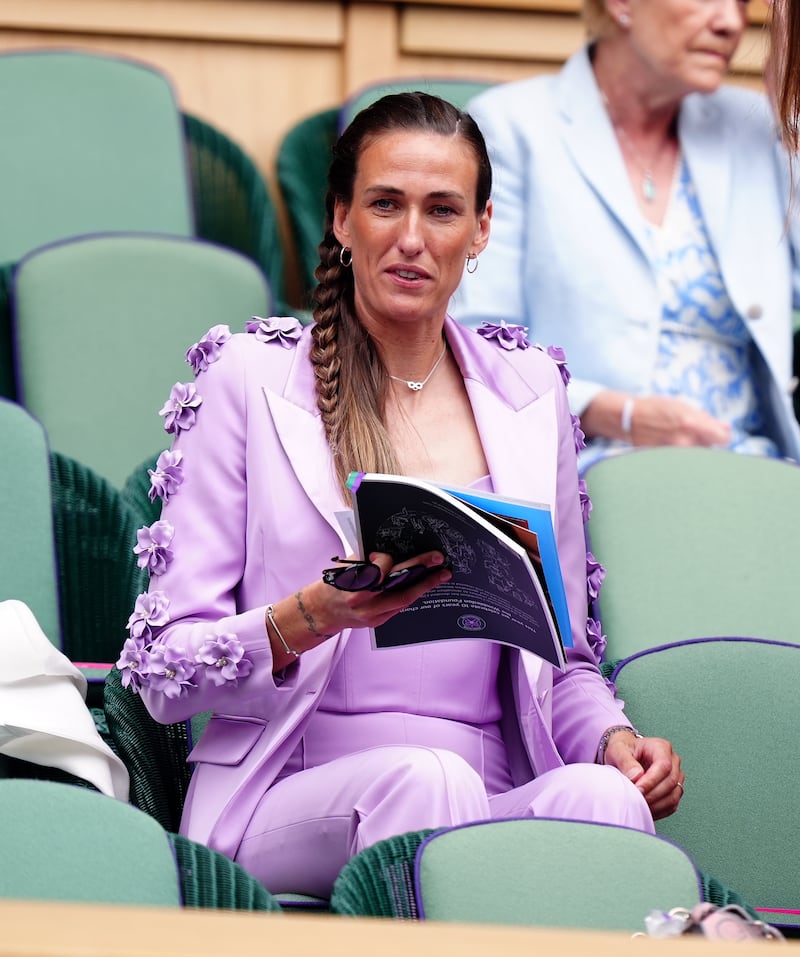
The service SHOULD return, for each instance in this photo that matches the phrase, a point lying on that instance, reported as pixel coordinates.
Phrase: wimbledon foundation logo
(471, 623)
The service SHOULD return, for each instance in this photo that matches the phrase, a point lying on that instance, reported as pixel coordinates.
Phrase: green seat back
(155, 754)
(28, 563)
(101, 326)
(99, 578)
(695, 542)
(527, 872)
(552, 873)
(233, 205)
(456, 90)
(731, 709)
(211, 880)
(92, 143)
(64, 842)
(304, 155)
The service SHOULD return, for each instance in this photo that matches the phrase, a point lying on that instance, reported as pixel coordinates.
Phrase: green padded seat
(101, 327)
(92, 142)
(304, 155)
(695, 542)
(456, 90)
(67, 843)
(116, 132)
(98, 576)
(26, 516)
(155, 754)
(233, 205)
(730, 708)
(211, 880)
(543, 872)
(69, 536)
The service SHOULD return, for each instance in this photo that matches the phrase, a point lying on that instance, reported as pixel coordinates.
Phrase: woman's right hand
(318, 610)
(655, 420)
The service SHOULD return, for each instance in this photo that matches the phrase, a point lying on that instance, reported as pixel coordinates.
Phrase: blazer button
(793, 383)
(754, 312)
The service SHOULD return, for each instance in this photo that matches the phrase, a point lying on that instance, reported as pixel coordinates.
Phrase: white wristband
(626, 418)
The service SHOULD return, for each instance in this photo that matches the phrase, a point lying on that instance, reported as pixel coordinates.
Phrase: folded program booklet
(506, 585)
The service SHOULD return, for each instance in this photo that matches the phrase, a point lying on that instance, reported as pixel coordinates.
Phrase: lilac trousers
(309, 824)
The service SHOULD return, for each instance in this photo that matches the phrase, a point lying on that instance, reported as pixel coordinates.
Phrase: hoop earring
(345, 257)
(472, 259)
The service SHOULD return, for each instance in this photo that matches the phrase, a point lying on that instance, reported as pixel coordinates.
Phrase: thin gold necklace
(412, 383)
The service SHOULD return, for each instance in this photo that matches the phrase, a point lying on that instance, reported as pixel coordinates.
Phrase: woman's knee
(591, 792)
(432, 786)
(437, 770)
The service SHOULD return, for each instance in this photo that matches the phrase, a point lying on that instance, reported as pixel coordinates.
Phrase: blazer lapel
(589, 138)
(301, 434)
(705, 143)
(516, 422)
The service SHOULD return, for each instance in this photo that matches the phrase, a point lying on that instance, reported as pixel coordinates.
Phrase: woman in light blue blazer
(640, 223)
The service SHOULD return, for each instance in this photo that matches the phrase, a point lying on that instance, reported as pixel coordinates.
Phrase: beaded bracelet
(601, 747)
(271, 620)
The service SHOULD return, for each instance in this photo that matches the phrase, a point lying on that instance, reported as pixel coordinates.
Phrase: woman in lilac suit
(320, 745)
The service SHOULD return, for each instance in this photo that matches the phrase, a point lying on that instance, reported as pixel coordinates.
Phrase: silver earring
(472, 260)
(345, 256)
(624, 20)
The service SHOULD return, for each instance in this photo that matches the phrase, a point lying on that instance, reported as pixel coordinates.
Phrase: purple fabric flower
(150, 611)
(285, 329)
(224, 658)
(586, 502)
(578, 434)
(595, 573)
(203, 353)
(170, 671)
(167, 477)
(179, 409)
(558, 356)
(595, 637)
(133, 663)
(153, 547)
(507, 336)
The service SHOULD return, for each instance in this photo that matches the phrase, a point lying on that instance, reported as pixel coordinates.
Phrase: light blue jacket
(569, 255)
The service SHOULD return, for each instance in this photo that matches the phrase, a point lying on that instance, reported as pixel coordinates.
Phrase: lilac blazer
(254, 520)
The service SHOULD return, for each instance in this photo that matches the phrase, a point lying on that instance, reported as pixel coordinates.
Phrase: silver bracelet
(281, 639)
(626, 419)
(601, 747)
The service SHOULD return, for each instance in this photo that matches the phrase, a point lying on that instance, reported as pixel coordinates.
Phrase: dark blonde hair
(351, 382)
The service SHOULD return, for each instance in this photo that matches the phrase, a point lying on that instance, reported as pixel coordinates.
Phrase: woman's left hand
(653, 767)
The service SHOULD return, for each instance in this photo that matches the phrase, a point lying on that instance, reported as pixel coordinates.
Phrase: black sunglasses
(358, 575)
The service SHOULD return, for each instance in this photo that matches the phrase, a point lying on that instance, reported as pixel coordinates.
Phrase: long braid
(350, 379)
(324, 351)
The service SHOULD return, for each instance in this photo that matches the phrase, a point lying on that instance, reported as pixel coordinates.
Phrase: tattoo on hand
(308, 617)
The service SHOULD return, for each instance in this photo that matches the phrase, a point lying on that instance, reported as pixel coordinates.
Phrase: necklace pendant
(415, 386)
(648, 187)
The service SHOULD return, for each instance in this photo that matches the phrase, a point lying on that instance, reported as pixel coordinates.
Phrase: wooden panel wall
(253, 68)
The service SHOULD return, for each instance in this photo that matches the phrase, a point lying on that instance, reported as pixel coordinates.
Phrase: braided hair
(351, 382)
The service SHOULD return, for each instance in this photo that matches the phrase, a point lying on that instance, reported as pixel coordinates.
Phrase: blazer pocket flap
(226, 741)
